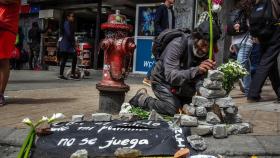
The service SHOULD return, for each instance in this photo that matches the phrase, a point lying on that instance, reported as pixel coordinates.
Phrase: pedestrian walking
(34, 35)
(264, 25)
(67, 46)
(9, 16)
(242, 43)
(164, 19)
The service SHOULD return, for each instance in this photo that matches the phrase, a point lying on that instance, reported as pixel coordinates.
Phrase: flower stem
(211, 29)
(25, 143)
(30, 144)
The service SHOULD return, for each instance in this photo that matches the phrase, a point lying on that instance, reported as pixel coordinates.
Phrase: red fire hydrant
(118, 51)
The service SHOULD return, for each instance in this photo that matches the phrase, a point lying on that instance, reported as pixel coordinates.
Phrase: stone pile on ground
(215, 112)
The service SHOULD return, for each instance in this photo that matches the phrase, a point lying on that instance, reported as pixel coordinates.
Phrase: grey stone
(186, 120)
(80, 154)
(231, 110)
(154, 116)
(224, 102)
(232, 119)
(127, 153)
(15, 138)
(201, 111)
(202, 130)
(212, 118)
(240, 128)
(215, 75)
(212, 94)
(209, 84)
(202, 101)
(125, 109)
(197, 142)
(220, 131)
(77, 118)
(128, 117)
(101, 117)
(190, 110)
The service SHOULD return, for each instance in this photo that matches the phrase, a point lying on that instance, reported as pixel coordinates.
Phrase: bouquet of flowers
(232, 72)
(29, 140)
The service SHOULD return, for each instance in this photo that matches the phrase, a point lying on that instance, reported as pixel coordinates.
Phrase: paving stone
(101, 117)
(127, 153)
(220, 131)
(186, 120)
(202, 101)
(154, 116)
(239, 146)
(271, 144)
(240, 128)
(211, 94)
(80, 154)
(77, 118)
(200, 111)
(197, 142)
(212, 118)
(215, 75)
(189, 109)
(209, 84)
(224, 102)
(202, 130)
(15, 138)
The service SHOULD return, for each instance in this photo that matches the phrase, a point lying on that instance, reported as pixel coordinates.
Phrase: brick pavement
(83, 99)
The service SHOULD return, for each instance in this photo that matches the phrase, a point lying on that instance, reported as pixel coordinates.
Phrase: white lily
(55, 117)
(27, 121)
(44, 118)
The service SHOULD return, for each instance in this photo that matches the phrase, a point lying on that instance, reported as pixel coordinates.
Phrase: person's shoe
(147, 82)
(135, 100)
(277, 101)
(73, 77)
(2, 100)
(62, 77)
(241, 86)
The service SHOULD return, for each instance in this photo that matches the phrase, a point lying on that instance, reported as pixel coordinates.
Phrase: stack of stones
(213, 113)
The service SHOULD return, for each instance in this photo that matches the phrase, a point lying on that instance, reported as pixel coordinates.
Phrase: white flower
(216, 8)
(44, 118)
(27, 121)
(55, 117)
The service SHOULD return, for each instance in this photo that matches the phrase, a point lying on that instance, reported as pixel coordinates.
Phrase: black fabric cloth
(174, 77)
(267, 67)
(64, 57)
(161, 19)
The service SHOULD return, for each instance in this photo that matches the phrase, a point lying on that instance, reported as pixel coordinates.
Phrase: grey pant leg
(166, 104)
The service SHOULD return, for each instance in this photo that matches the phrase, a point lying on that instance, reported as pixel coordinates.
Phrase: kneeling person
(181, 66)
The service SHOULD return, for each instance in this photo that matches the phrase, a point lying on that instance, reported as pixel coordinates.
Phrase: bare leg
(4, 74)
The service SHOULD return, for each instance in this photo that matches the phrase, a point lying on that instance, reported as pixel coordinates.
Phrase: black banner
(103, 138)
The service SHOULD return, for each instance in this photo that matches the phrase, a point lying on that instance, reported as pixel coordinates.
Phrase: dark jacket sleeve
(158, 18)
(174, 75)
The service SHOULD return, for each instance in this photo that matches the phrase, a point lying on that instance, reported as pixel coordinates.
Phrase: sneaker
(73, 77)
(241, 86)
(147, 82)
(62, 77)
(135, 100)
(2, 100)
(277, 101)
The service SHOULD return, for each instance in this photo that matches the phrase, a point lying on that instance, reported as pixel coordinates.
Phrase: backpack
(161, 41)
(262, 21)
(236, 16)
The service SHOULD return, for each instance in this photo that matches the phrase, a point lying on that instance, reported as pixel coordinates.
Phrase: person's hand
(236, 27)
(232, 49)
(206, 65)
(8, 1)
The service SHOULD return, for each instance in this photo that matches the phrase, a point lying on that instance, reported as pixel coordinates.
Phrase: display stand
(144, 35)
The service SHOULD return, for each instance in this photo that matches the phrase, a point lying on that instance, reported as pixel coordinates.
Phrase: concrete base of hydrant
(111, 99)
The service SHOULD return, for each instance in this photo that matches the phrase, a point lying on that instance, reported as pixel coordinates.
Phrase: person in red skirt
(9, 17)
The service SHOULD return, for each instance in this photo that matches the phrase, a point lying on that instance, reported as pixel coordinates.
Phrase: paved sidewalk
(35, 94)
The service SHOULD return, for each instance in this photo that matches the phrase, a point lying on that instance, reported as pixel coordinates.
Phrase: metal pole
(97, 34)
